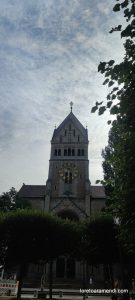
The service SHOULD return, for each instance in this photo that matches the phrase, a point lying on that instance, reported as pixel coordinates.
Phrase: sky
(49, 56)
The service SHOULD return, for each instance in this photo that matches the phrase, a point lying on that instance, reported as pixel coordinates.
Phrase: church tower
(68, 192)
(68, 185)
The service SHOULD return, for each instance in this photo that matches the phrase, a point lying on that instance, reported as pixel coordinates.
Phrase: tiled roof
(71, 117)
(97, 191)
(32, 191)
(38, 191)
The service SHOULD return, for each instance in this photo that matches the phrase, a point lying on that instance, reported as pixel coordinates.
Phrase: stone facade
(68, 186)
(68, 192)
(68, 182)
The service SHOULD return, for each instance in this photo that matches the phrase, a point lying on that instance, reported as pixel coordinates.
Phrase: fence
(8, 287)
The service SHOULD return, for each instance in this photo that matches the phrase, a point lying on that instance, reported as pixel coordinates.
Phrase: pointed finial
(71, 105)
(55, 126)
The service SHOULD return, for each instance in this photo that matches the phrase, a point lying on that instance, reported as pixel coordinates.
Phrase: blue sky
(49, 54)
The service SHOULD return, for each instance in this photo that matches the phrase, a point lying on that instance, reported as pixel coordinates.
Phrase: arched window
(66, 177)
(59, 152)
(78, 152)
(69, 152)
(65, 152)
(78, 138)
(70, 177)
(65, 132)
(55, 152)
(73, 152)
(82, 152)
(60, 138)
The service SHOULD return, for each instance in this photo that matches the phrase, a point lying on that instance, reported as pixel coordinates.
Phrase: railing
(8, 287)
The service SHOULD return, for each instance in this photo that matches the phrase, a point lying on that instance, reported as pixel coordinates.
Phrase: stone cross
(71, 105)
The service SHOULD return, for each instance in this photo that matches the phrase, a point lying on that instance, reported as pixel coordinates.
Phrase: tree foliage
(30, 236)
(10, 201)
(119, 155)
(100, 245)
(121, 77)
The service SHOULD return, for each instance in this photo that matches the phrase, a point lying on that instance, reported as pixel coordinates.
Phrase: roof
(97, 191)
(38, 191)
(72, 118)
(32, 191)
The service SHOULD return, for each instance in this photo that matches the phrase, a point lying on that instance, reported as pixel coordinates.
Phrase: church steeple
(69, 166)
(70, 131)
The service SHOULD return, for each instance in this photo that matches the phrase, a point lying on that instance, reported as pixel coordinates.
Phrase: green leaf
(127, 31)
(108, 97)
(101, 67)
(124, 4)
(110, 83)
(116, 7)
(133, 23)
(109, 122)
(107, 74)
(101, 110)
(119, 92)
(114, 110)
(99, 103)
(119, 27)
(97, 181)
(126, 12)
(94, 108)
(106, 81)
(109, 103)
(115, 89)
(111, 62)
(113, 97)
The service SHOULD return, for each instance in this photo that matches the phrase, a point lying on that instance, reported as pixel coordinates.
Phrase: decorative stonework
(68, 168)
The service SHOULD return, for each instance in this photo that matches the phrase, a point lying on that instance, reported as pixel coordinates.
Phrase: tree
(100, 243)
(2, 241)
(30, 236)
(8, 200)
(119, 155)
(11, 201)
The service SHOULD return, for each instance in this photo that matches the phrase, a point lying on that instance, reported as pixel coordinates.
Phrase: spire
(71, 105)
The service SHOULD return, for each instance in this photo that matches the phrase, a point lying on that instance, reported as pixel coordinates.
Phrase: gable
(32, 191)
(70, 130)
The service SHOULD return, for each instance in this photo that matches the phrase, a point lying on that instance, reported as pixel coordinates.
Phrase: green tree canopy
(101, 244)
(29, 236)
(119, 155)
(10, 201)
(33, 235)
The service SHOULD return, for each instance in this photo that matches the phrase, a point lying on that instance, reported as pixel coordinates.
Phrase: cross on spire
(71, 105)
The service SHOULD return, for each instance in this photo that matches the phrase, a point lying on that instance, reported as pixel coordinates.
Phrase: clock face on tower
(68, 172)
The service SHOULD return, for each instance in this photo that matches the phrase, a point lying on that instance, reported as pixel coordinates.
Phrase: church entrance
(70, 268)
(60, 267)
(65, 268)
(68, 214)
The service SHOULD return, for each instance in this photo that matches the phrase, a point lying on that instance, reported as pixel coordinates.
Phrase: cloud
(49, 53)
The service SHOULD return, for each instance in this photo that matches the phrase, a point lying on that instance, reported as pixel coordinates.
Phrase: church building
(68, 192)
